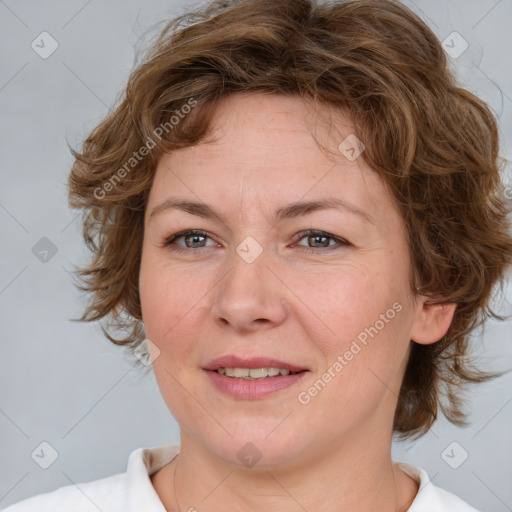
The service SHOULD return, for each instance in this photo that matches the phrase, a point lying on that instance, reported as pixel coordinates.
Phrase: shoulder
(431, 498)
(104, 494)
(454, 503)
(123, 492)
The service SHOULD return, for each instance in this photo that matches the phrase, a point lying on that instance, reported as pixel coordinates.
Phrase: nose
(251, 296)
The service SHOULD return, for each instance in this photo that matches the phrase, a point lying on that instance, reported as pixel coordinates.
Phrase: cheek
(365, 318)
(349, 299)
(166, 311)
(172, 302)
(165, 297)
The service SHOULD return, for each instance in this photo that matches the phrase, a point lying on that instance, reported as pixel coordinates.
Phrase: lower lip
(253, 389)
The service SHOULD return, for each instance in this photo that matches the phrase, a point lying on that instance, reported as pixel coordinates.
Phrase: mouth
(247, 379)
(254, 373)
(252, 368)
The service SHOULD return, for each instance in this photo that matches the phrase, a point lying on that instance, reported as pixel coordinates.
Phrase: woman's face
(333, 301)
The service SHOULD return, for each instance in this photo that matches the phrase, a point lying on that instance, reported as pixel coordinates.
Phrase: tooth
(252, 373)
(258, 373)
(229, 372)
(241, 372)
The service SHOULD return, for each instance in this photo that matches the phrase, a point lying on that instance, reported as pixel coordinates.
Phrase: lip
(232, 361)
(253, 389)
(243, 389)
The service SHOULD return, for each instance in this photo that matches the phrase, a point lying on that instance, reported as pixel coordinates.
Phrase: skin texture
(298, 301)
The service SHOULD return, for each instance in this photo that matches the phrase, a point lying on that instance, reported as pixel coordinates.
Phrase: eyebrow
(288, 211)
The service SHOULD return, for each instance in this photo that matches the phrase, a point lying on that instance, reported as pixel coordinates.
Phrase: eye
(197, 239)
(193, 238)
(320, 240)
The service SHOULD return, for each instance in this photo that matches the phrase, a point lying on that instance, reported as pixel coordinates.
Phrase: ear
(431, 321)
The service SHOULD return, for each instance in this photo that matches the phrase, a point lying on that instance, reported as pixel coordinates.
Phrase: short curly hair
(434, 144)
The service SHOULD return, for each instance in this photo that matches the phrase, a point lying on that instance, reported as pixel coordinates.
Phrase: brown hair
(433, 143)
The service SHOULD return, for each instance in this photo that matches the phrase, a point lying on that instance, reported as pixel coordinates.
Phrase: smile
(253, 373)
(251, 378)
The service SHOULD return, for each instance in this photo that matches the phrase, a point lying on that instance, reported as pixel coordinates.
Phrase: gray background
(62, 382)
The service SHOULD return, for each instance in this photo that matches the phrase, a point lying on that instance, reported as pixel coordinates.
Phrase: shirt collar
(427, 498)
(142, 463)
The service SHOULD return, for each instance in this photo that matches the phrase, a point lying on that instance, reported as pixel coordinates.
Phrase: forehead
(271, 147)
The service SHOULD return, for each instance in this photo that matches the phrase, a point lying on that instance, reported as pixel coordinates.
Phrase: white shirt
(133, 491)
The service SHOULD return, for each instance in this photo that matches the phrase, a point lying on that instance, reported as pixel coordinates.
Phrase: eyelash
(170, 242)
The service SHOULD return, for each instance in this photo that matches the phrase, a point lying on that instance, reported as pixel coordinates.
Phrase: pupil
(194, 239)
(318, 237)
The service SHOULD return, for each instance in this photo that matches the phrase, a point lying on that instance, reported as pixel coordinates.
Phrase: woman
(299, 215)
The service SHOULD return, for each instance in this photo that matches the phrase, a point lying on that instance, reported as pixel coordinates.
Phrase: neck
(356, 475)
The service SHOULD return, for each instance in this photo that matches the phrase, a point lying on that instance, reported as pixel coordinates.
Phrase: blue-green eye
(321, 238)
(194, 239)
(197, 239)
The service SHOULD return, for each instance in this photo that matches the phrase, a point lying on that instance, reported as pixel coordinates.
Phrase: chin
(257, 447)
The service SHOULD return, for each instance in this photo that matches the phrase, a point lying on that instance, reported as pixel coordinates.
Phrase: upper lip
(231, 361)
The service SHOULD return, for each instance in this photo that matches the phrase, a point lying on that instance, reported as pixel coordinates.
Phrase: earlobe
(432, 321)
